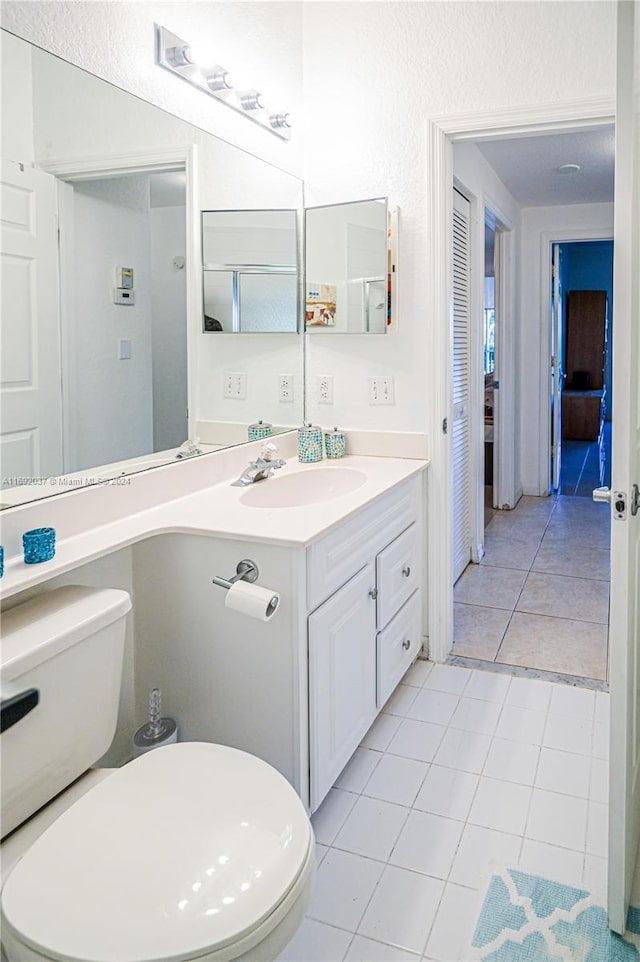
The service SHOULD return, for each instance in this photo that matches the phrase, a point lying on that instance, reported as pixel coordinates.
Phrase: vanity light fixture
(280, 120)
(219, 79)
(252, 100)
(202, 71)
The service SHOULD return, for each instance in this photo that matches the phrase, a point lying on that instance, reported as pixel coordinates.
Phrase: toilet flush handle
(15, 707)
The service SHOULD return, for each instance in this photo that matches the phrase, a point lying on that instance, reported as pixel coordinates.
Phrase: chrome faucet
(257, 470)
(189, 449)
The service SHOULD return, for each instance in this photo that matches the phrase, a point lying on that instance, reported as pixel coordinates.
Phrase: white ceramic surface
(202, 843)
(303, 487)
(152, 503)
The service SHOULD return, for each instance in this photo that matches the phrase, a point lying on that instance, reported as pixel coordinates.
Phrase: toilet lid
(187, 848)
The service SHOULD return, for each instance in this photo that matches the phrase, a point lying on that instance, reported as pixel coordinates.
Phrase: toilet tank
(68, 644)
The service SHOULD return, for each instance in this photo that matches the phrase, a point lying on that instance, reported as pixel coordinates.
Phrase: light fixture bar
(175, 55)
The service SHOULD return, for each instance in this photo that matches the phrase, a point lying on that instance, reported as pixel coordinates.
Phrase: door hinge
(445, 425)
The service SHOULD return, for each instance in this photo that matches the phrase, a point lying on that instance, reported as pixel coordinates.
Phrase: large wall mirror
(107, 363)
(347, 268)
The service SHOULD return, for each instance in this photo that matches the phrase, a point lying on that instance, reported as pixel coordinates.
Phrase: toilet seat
(181, 854)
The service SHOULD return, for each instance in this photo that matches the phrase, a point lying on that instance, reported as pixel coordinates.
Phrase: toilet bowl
(194, 852)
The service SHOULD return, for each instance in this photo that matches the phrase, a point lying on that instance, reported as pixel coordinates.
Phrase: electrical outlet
(285, 387)
(381, 390)
(235, 385)
(324, 388)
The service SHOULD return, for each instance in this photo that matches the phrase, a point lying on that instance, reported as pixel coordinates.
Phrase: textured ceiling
(528, 167)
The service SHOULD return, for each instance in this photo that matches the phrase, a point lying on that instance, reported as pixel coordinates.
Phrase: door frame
(183, 158)
(441, 133)
(547, 240)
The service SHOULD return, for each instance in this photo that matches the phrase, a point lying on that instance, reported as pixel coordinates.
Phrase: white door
(557, 365)
(30, 392)
(461, 385)
(624, 804)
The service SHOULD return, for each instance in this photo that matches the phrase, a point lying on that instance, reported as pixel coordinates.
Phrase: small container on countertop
(335, 443)
(309, 443)
(38, 545)
(261, 429)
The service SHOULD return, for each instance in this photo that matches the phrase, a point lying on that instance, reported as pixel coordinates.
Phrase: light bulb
(220, 79)
(251, 100)
(199, 54)
(281, 120)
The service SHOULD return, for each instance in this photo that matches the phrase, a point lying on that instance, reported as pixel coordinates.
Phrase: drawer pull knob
(406, 644)
(373, 593)
(406, 571)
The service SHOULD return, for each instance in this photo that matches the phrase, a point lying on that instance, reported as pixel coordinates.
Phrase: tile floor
(463, 769)
(540, 597)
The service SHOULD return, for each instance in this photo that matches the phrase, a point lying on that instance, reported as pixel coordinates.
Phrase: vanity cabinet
(364, 636)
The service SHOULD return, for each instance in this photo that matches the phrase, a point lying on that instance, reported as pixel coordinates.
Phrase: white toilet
(190, 852)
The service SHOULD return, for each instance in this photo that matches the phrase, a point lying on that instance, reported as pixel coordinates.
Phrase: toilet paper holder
(246, 570)
(248, 599)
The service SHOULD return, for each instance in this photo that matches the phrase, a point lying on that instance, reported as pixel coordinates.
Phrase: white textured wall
(109, 401)
(373, 73)
(115, 40)
(169, 327)
(558, 223)
(16, 116)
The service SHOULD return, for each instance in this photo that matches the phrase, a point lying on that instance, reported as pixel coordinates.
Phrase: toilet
(193, 851)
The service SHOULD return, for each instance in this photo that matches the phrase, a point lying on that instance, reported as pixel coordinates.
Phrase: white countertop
(216, 510)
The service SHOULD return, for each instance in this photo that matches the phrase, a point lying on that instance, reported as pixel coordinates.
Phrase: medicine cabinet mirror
(107, 364)
(250, 275)
(349, 268)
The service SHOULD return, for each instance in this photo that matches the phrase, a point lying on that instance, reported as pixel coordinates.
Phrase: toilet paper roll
(252, 600)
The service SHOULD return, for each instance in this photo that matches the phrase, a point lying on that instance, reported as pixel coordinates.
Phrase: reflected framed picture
(320, 305)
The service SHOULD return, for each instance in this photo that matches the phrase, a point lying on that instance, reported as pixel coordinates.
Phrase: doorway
(582, 447)
(494, 237)
(538, 597)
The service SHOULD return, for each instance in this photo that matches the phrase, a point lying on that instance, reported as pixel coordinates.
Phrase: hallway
(540, 597)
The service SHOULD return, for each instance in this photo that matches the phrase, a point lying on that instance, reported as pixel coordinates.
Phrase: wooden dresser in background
(583, 398)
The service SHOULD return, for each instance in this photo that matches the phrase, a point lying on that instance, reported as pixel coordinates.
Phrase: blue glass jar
(38, 545)
(335, 443)
(309, 443)
(261, 429)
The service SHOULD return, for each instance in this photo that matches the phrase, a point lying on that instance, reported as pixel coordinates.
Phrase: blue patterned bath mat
(529, 919)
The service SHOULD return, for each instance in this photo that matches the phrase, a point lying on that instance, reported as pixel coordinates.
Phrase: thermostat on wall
(124, 278)
(121, 296)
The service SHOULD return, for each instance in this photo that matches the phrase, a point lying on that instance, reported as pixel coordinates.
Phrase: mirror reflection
(346, 268)
(107, 366)
(250, 273)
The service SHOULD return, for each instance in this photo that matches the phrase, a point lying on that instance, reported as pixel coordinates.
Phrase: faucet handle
(269, 451)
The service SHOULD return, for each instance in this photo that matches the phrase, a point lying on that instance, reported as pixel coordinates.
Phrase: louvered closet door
(460, 421)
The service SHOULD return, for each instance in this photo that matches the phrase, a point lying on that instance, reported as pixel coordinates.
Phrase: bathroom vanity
(301, 689)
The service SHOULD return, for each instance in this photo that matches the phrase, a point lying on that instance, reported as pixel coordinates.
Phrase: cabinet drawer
(334, 558)
(397, 574)
(397, 646)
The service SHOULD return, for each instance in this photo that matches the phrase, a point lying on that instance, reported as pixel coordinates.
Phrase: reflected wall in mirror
(98, 379)
(250, 275)
(347, 271)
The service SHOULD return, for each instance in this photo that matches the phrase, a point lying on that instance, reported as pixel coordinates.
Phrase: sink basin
(303, 487)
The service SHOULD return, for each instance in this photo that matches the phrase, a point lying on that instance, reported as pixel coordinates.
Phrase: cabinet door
(397, 569)
(342, 679)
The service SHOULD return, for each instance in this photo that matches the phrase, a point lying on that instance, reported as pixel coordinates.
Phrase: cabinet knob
(406, 571)
(406, 644)
(373, 593)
